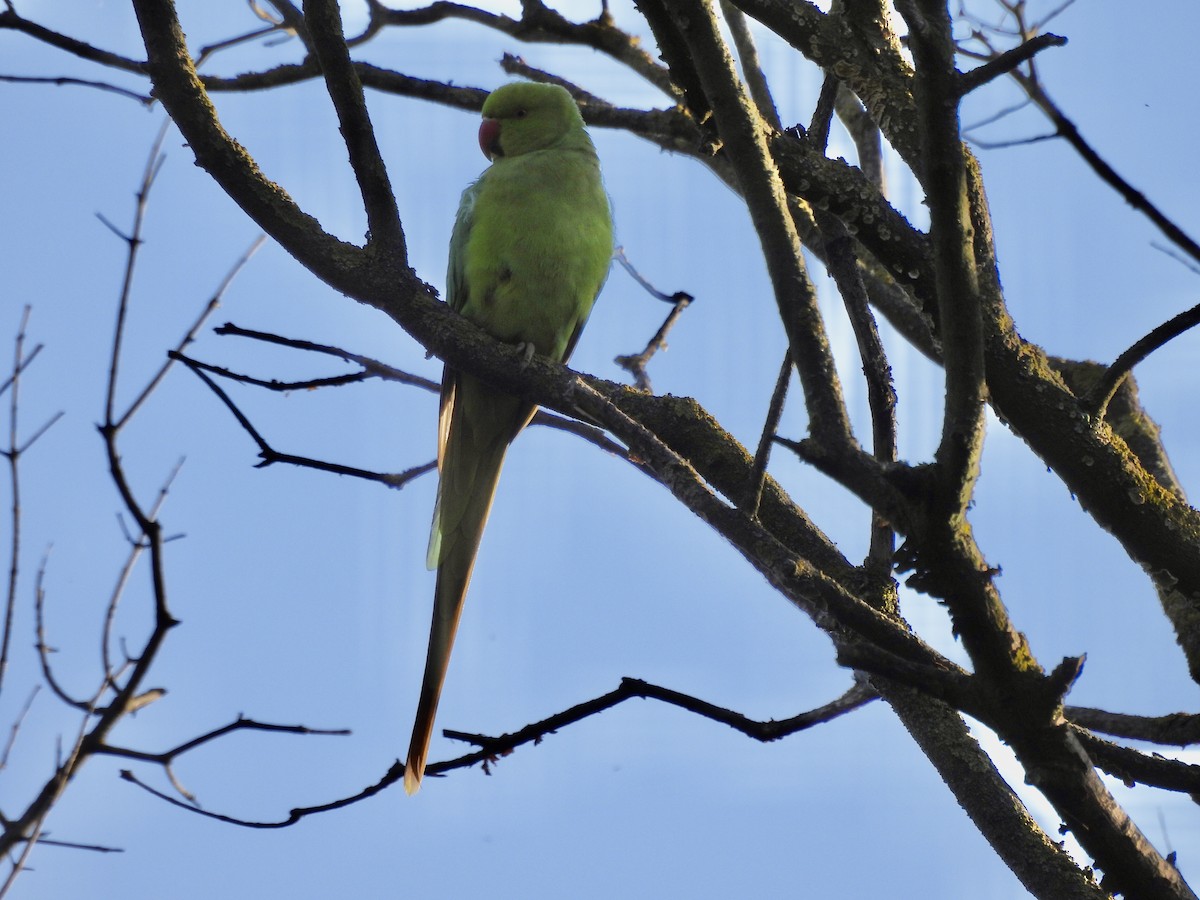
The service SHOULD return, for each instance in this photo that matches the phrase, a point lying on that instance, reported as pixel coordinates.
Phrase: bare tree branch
(1007, 61)
(1106, 387)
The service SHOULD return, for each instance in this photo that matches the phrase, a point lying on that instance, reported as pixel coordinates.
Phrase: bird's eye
(521, 113)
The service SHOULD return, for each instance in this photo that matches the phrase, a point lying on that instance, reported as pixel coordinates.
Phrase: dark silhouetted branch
(1097, 401)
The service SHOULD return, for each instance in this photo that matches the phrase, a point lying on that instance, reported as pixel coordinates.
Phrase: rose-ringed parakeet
(529, 252)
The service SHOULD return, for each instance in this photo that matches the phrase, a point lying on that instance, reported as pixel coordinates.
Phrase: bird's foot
(526, 349)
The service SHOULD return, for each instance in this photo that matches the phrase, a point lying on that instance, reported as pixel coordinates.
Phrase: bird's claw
(526, 349)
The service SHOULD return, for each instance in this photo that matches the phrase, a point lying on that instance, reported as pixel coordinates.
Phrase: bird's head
(522, 117)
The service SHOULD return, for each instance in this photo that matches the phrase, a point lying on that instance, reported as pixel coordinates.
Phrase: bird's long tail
(483, 423)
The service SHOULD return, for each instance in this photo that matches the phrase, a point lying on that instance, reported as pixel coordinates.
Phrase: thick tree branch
(1041, 864)
(324, 23)
(178, 88)
(744, 136)
(861, 51)
(943, 175)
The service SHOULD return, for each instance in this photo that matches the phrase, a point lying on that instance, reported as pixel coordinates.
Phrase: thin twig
(1068, 131)
(16, 726)
(43, 648)
(1134, 767)
(1006, 62)
(190, 335)
(1098, 399)
(134, 240)
(636, 363)
(858, 695)
(762, 454)
(369, 365)
(881, 392)
(143, 99)
(137, 547)
(13, 454)
(373, 368)
(241, 723)
(269, 455)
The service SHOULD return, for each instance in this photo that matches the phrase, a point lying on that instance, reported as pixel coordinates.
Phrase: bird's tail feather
(473, 458)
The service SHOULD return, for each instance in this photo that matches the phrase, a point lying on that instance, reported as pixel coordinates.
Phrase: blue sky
(304, 596)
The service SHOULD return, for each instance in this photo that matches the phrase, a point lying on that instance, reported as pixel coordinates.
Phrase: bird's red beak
(489, 138)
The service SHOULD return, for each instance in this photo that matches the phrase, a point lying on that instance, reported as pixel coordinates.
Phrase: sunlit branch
(745, 143)
(872, 66)
(825, 599)
(843, 264)
(1134, 767)
(748, 60)
(960, 319)
(881, 392)
(1176, 729)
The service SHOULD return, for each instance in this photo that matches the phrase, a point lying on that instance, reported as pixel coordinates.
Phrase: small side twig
(371, 366)
(190, 335)
(881, 392)
(269, 455)
(1134, 767)
(16, 726)
(12, 453)
(1098, 399)
(60, 80)
(762, 455)
(133, 239)
(43, 648)
(136, 548)
(1007, 61)
(636, 363)
(167, 758)
(1175, 729)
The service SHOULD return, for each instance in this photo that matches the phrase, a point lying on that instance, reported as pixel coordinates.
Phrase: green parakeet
(530, 250)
